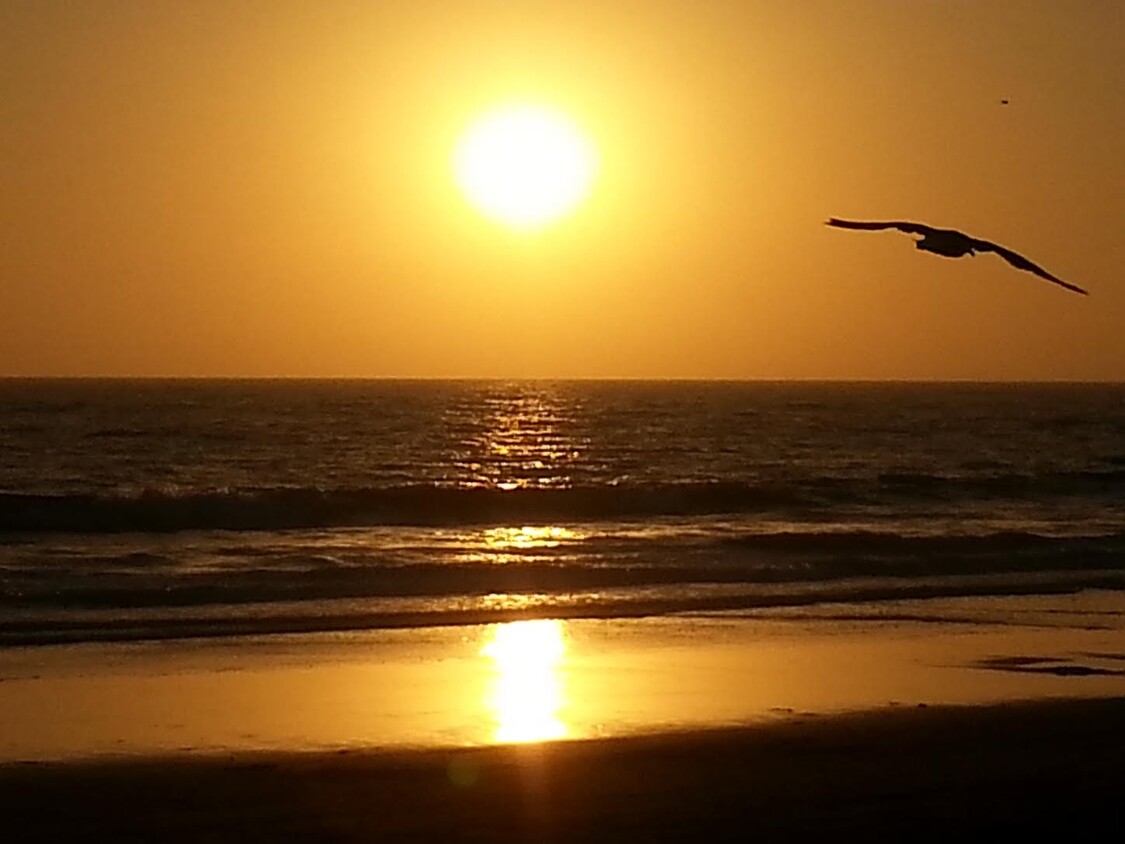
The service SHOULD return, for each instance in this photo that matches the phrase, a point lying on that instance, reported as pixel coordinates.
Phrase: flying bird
(955, 244)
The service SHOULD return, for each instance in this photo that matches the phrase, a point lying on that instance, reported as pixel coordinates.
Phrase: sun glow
(526, 696)
(525, 166)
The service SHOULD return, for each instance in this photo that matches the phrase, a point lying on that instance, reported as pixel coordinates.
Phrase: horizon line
(569, 378)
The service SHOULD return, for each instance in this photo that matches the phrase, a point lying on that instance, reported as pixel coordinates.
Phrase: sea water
(136, 509)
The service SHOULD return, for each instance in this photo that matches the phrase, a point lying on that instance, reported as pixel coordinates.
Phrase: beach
(1056, 768)
(546, 679)
(561, 422)
(852, 720)
(353, 611)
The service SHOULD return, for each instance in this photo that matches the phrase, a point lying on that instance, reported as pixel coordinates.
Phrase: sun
(525, 166)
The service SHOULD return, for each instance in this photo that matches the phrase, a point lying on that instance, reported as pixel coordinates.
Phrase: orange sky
(252, 188)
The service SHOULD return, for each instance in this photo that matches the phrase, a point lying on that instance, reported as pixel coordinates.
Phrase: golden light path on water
(528, 536)
(514, 546)
(526, 695)
(520, 445)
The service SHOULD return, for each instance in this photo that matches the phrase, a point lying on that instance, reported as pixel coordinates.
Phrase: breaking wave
(157, 511)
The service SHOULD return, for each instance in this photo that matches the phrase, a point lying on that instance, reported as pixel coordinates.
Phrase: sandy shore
(1056, 766)
(880, 721)
(528, 681)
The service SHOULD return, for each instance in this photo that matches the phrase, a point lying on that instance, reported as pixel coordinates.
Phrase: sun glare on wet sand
(526, 695)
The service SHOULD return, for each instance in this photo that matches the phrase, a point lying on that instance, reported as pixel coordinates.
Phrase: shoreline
(1018, 765)
(37, 632)
(536, 680)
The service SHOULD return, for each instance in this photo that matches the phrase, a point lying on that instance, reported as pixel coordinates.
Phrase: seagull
(955, 244)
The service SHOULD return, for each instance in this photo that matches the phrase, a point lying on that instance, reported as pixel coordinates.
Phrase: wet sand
(1047, 767)
(529, 681)
(857, 721)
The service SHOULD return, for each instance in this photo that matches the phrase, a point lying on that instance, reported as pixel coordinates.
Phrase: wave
(159, 511)
(286, 573)
(870, 543)
(422, 505)
(1007, 485)
(329, 616)
(222, 584)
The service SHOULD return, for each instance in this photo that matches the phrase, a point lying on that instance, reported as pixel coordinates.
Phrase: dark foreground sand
(1047, 767)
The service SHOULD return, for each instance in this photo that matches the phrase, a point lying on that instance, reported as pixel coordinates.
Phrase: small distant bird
(955, 244)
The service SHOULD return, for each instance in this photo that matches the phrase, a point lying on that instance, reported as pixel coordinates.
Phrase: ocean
(156, 509)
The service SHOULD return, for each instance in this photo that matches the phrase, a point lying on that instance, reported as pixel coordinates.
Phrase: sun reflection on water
(515, 545)
(526, 695)
(528, 536)
(518, 438)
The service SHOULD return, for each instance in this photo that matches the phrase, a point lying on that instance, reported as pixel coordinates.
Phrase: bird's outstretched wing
(1020, 262)
(909, 228)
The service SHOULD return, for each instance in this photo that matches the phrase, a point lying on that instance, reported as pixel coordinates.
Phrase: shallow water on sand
(550, 679)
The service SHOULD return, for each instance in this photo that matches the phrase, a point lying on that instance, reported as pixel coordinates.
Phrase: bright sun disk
(525, 166)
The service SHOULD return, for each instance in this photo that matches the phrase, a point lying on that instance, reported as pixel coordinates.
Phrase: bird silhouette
(955, 244)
